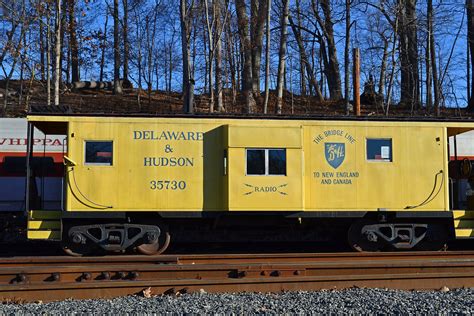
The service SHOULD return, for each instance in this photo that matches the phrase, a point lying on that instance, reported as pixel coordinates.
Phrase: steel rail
(235, 258)
(56, 278)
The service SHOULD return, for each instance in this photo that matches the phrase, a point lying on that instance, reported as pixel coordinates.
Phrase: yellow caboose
(141, 182)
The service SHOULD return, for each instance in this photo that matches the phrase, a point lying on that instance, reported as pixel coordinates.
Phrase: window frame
(267, 163)
(106, 164)
(390, 160)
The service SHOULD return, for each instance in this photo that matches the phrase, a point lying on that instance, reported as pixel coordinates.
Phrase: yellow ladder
(44, 225)
(464, 224)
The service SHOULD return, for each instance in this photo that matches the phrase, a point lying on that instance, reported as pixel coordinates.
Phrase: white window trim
(267, 163)
(98, 163)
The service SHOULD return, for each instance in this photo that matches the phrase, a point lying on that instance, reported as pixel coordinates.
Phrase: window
(379, 149)
(266, 162)
(99, 153)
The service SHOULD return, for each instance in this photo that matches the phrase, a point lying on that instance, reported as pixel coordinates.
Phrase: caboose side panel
(265, 168)
(147, 166)
(375, 166)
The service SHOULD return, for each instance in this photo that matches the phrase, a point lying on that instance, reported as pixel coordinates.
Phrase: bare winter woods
(257, 54)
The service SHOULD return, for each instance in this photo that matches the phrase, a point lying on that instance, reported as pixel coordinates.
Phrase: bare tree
(331, 68)
(117, 83)
(346, 55)
(282, 54)
(267, 59)
(75, 76)
(470, 35)
(231, 59)
(218, 49)
(409, 73)
(41, 12)
(57, 70)
(434, 65)
(258, 9)
(103, 47)
(48, 53)
(305, 61)
(14, 44)
(186, 18)
(246, 47)
(126, 44)
(301, 57)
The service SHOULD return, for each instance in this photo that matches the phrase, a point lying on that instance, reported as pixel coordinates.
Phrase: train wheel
(157, 247)
(360, 241)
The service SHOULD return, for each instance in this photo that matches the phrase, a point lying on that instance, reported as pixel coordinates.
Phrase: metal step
(44, 225)
(463, 214)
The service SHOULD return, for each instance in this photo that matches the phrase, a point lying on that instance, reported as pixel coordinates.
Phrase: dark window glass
(99, 152)
(277, 161)
(379, 149)
(255, 161)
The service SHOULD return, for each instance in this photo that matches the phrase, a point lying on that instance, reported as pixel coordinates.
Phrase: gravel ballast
(354, 301)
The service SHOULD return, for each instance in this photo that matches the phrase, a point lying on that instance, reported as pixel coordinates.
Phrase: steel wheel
(157, 247)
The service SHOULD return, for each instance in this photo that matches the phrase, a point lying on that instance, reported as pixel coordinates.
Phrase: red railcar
(47, 167)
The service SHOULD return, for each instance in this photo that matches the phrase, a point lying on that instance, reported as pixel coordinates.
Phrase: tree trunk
(346, 56)
(219, 31)
(429, 15)
(42, 48)
(23, 57)
(257, 23)
(383, 68)
(470, 36)
(188, 81)
(394, 64)
(246, 47)
(170, 72)
(57, 71)
(301, 59)
(210, 57)
(48, 54)
(126, 45)
(282, 55)
(149, 52)
(331, 70)
(409, 94)
(231, 60)
(64, 22)
(104, 45)
(267, 58)
(73, 42)
(434, 66)
(117, 85)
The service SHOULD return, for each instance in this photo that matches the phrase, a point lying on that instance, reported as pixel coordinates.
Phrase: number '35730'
(167, 185)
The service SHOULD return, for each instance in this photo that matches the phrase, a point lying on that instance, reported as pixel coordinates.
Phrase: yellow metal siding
(269, 137)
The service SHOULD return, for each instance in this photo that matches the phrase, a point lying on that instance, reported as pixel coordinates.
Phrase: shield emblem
(335, 153)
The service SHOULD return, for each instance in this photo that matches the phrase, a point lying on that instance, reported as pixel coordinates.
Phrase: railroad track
(57, 278)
